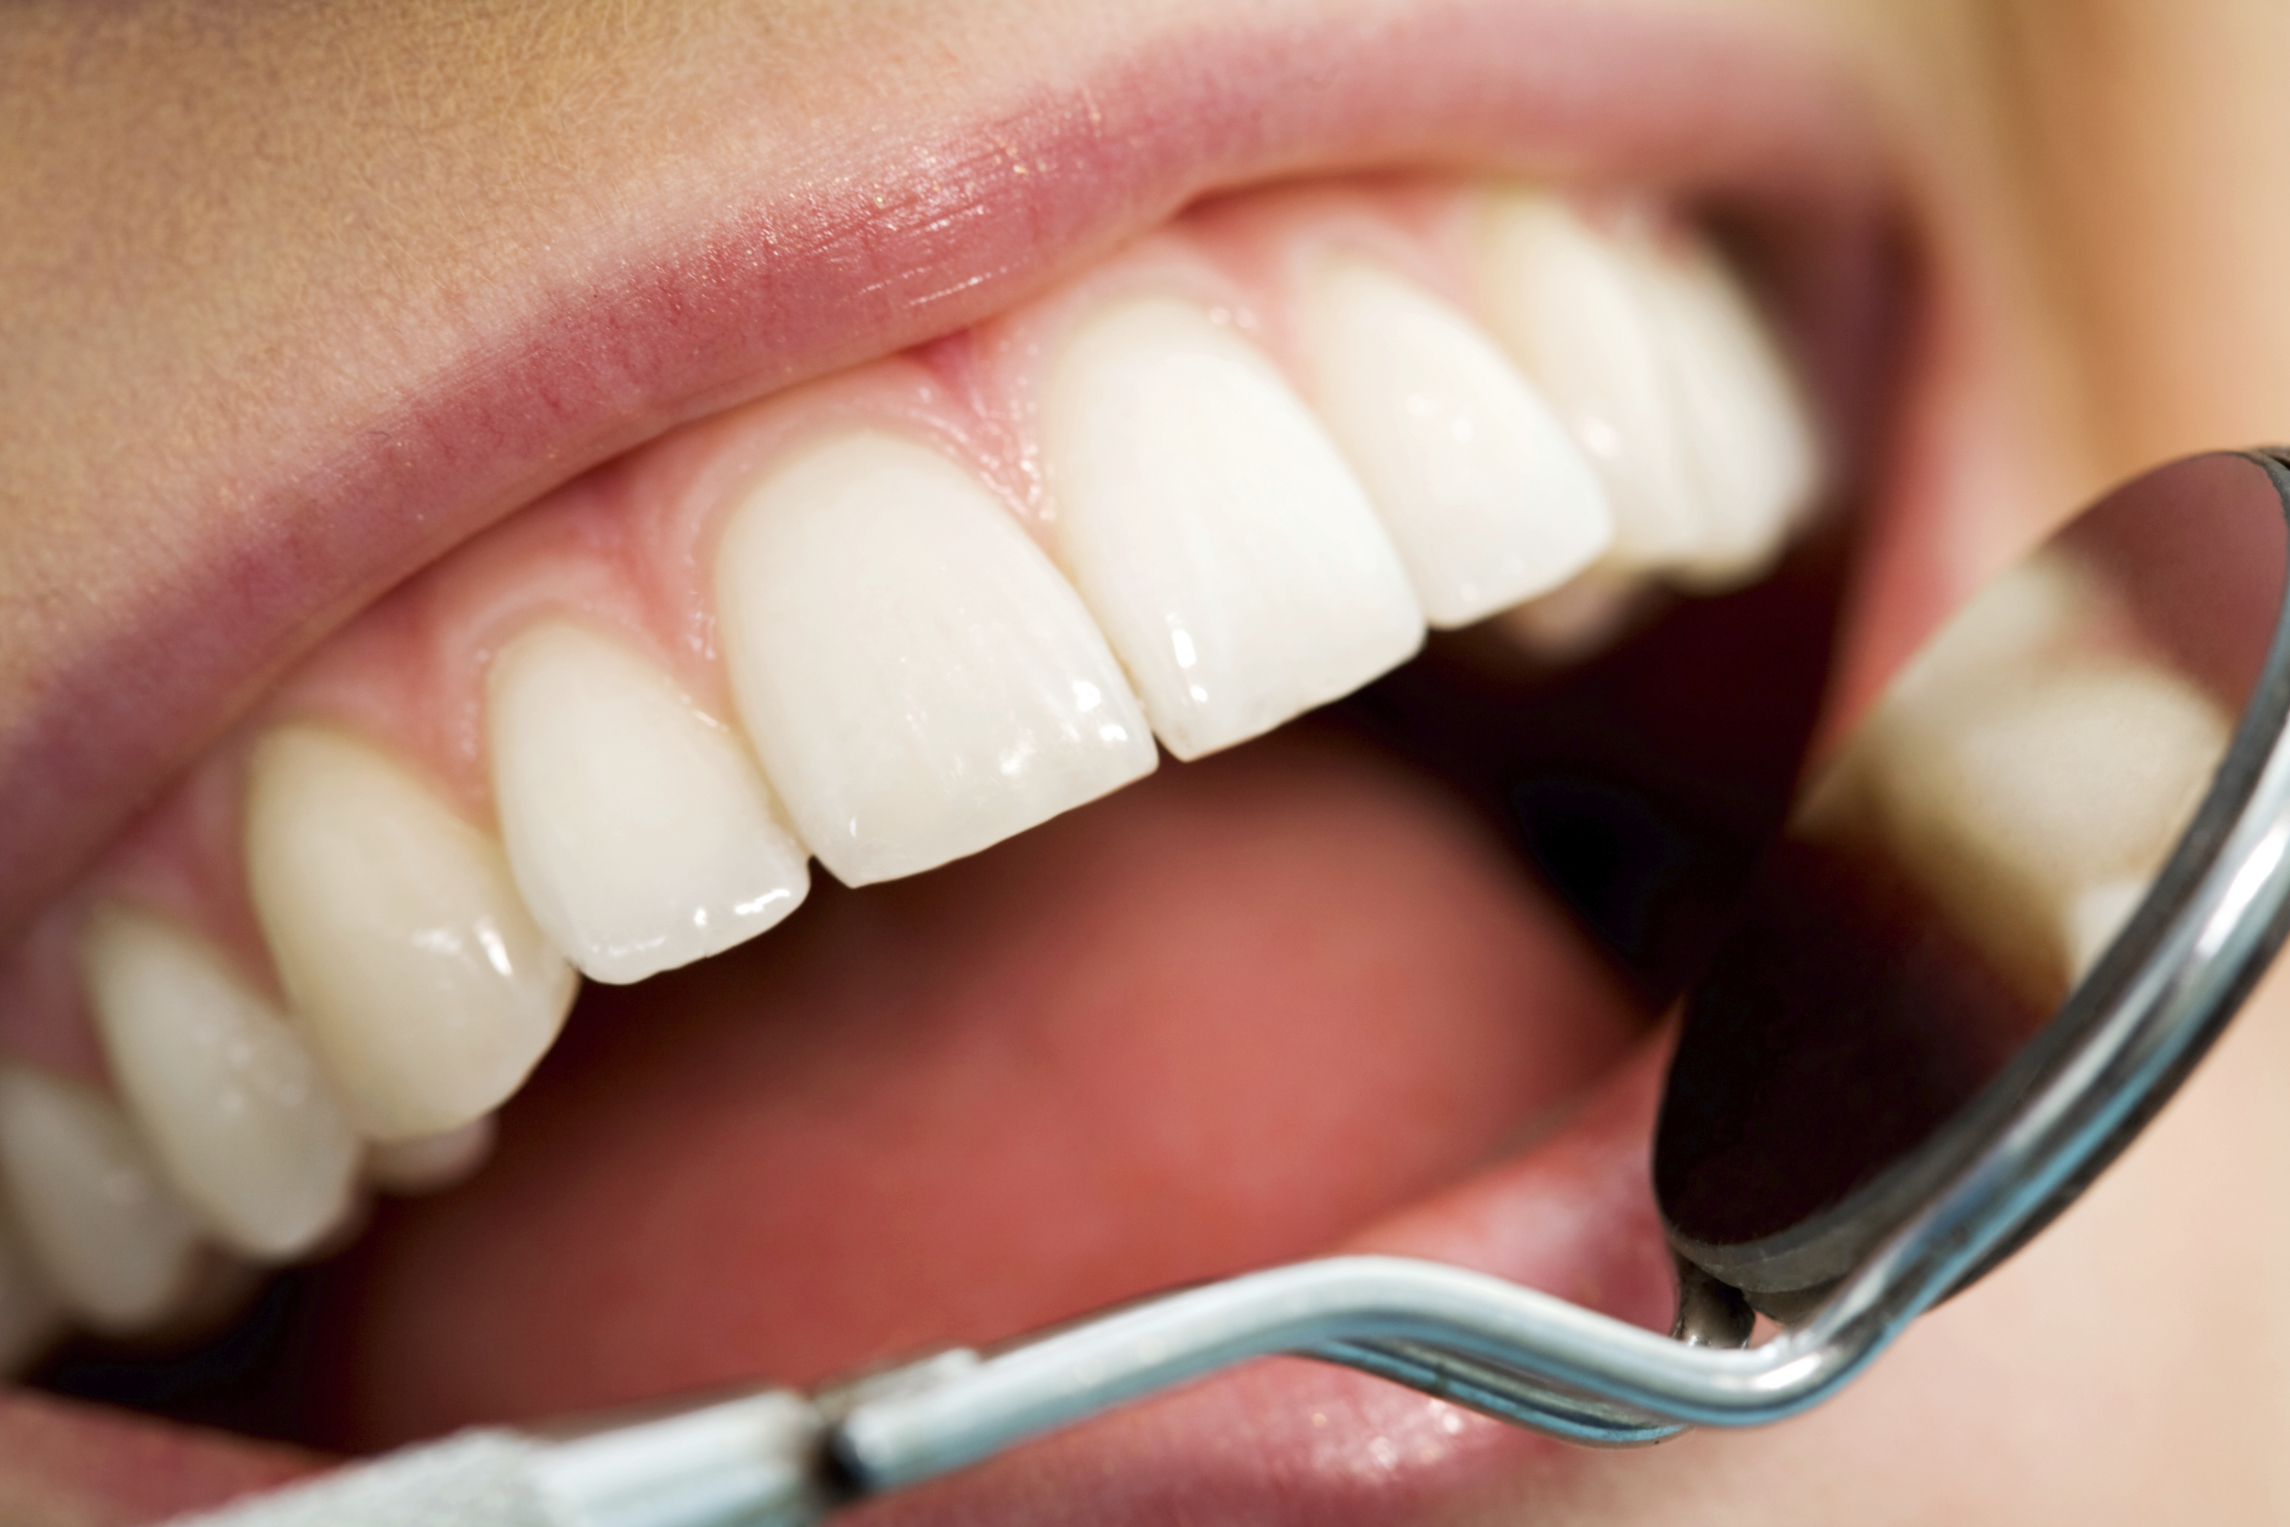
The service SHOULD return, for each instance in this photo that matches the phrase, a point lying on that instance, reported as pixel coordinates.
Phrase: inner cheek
(1217, 1021)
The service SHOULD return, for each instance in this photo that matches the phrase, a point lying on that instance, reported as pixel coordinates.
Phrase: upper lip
(742, 278)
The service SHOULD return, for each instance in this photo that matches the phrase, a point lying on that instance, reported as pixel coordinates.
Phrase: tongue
(1226, 1018)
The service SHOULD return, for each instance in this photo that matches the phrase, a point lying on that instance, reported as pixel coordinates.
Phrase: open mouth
(1048, 555)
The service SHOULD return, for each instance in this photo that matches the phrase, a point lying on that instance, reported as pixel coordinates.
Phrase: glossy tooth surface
(422, 983)
(112, 1242)
(1666, 377)
(1213, 527)
(1571, 304)
(1747, 430)
(242, 1123)
(1486, 498)
(640, 832)
(2037, 806)
(919, 679)
(431, 1163)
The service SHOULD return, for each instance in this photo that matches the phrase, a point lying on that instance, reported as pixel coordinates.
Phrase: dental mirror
(1975, 880)
(2010, 912)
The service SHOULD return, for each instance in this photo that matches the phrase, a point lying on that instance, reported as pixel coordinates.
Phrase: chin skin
(297, 303)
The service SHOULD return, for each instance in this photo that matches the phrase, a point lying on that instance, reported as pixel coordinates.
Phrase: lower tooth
(1486, 499)
(919, 679)
(1216, 533)
(2028, 804)
(640, 832)
(242, 1122)
(415, 971)
(117, 1249)
(431, 1163)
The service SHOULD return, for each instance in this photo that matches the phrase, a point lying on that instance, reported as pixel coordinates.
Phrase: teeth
(1215, 531)
(639, 831)
(919, 680)
(416, 972)
(1486, 499)
(431, 1163)
(1665, 377)
(1746, 429)
(2038, 804)
(117, 1249)
(238, 1116)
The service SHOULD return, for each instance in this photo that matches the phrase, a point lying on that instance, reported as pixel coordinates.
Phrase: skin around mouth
(538, 384)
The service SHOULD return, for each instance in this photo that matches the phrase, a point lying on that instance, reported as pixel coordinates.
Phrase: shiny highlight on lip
(722, 299)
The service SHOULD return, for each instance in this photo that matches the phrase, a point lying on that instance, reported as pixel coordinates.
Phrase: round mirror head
(1969, 880)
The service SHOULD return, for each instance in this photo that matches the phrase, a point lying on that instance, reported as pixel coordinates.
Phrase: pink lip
(706, 299)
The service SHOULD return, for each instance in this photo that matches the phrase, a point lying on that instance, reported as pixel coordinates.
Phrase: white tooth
(112, 1242)
(1571, 303)
(416, 973)
(2092, 919)
(1214, 529)
(234, 1107)
(918, 678)
(1582, 617)
(640, 832)
(31, 1317)
(432, 1163)
(2026, 804)
(1487, 500)
(1746, 429)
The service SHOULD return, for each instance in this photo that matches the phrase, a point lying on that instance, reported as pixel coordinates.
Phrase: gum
(627, 548)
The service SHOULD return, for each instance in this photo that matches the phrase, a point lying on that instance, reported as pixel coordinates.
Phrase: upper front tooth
(241, 1120)
(420, 979)
(918, 678)
(640, 832)
(30, 1315)
(115, 1246)
(1228, 551)
(1666, 378)
(431, 1163)
(1487, 500)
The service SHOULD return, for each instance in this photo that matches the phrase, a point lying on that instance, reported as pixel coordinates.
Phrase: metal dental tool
(1883, 1087)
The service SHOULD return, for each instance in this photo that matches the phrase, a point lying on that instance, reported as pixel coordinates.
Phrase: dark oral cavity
(1323, 1071)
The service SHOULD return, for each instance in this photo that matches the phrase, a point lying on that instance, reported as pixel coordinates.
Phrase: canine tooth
(237, 1114)
(639, 830)
(918, 678)
(416, 973)
(118, 1250)
(432, 1163)
(1213, 528)
(1486, 498)
(2027, 803)
(1572, 305)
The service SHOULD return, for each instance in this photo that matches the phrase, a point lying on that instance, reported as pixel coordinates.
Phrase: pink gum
(627, 548)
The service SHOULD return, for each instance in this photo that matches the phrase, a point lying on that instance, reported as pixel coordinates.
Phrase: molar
(413, 967)
(118, 1250)
(640, 832)
(1213, 528)
(917, 677)
(1487, 500)
(239, 1118)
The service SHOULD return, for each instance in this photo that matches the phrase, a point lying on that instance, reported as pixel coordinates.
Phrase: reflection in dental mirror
(1955, 872)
